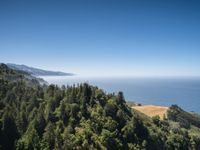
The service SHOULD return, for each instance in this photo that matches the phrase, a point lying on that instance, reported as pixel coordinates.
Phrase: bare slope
(152, 110)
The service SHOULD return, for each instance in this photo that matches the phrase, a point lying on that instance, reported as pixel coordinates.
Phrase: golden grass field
(152, 110)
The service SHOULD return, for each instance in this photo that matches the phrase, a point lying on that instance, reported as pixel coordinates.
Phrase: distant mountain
(36, 71)
(13, 75)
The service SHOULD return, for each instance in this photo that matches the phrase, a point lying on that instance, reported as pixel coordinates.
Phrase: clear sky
(103, 37)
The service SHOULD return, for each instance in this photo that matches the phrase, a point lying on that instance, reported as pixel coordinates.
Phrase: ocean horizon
(165, 91)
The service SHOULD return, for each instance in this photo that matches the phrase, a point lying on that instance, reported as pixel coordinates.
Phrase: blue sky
(103, 37)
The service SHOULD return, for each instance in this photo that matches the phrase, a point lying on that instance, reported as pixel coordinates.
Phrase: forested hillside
(80, 117)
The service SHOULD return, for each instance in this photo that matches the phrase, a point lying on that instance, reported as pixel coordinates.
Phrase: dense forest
(34, 115)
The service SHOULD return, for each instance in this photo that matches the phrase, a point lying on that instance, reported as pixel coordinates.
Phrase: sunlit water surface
(159, 91)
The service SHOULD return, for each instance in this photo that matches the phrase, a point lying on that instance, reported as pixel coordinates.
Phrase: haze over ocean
(142, 51)
(158, 91)
(116, 39)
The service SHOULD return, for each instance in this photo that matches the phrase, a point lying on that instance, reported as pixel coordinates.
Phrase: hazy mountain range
(37, 72)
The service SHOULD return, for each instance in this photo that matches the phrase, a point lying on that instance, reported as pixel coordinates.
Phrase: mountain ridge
(36, 71)
(19, 75)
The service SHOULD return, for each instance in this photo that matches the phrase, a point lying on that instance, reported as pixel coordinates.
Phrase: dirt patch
(152, 110)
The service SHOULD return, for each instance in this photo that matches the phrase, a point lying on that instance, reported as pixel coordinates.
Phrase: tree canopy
(78, 117)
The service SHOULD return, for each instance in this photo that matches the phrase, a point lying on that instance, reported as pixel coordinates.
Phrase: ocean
(185, 92)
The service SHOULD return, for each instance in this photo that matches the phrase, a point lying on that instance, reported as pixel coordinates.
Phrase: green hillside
(80, 117)
(185, 119)
(8, 74)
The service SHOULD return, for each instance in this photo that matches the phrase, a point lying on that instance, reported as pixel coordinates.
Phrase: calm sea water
(158, 91)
